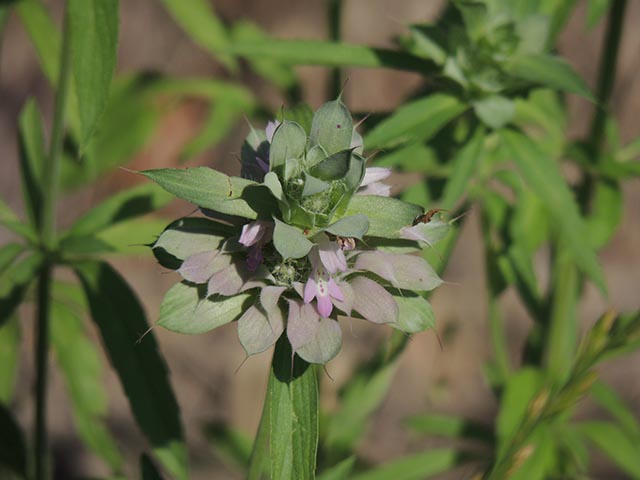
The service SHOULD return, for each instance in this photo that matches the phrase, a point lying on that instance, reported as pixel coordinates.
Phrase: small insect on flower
(346, 243)
(426, 217)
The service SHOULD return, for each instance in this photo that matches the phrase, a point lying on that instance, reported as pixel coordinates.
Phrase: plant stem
(334, 14)
(42, 349)
(48, 239)
(607, 71)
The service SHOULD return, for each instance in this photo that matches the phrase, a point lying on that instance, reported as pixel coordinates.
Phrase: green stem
(47, 226)
(42, 349)
(334, 14)
(607, 71)
(496, 324)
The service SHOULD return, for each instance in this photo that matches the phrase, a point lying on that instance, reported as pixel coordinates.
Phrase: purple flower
(255, 235)
(321, 286)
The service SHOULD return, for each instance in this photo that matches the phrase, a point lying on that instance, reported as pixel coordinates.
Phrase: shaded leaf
(32, 158)
(142, 371)
(414, 313)
(544, 177)
(94, 50)
(549, 71)
(79, 363)
(341, 471)
(13, 451)
(9, 358)
(232, 446)
(613, 441)
(414, 467)
(465, 164)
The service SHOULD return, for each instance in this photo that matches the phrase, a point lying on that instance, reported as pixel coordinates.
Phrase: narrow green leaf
(142, 371)
(14, 282)
(613, 441)
(13, 450)
(289, 241)
(341, 471)
(450, 427)
(292, 398)
(416, 120)
(330, 54)
(44, 34)
(94, 49)
(132, 237)
(199, 21)
(596, 9)
(544, 177)
(549, 71)
(281, 75)
(415, 467)
(606, 397)
(149, 470)
(211, 189)
(81, 367)
(606, 212)
(386, 215)
(465, 164)
(8, 254)
(9, 358)
(222, 117)
(124, 205)
(519, 391)
(32, 158)
(185, 309)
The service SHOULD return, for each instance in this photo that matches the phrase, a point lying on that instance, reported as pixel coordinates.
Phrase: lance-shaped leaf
(331, 127)
(94, 48)
(139, 200)
(32, 158)
(545, 178)
(406, 272)
(185, 309)
(82, 369)
(311, 52)
(216, 191)
(149, 470)
(550, 71)
(199, 21)
(615, 443)
(14, 283)
(355, 226)
(137, 361)
(387, 216)
(420, 465)
(289, 241)
(9, 358)
(13, 450)
(289, 141)
(416, 120)
(465, 164)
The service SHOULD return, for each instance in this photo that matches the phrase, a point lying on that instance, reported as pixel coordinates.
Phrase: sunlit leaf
(415, 120)
(414, 467)
(386, 215)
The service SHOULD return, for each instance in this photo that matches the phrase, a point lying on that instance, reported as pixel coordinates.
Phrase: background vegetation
(470, 101)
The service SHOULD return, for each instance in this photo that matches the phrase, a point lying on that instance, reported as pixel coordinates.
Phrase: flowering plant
(308, 232)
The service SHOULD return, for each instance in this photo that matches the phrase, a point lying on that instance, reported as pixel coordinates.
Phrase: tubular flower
(306, 235)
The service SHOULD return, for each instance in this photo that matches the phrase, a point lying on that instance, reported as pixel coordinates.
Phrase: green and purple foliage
(298, 242)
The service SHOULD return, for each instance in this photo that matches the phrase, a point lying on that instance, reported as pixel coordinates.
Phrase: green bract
(306, 233)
